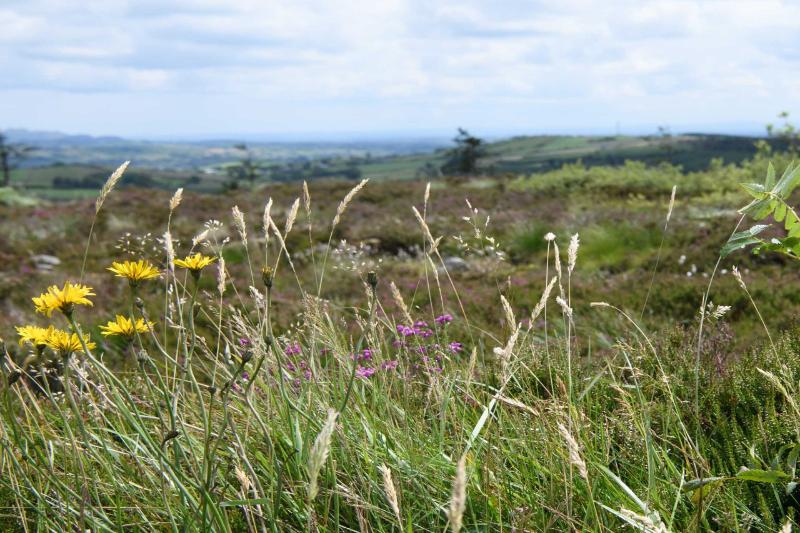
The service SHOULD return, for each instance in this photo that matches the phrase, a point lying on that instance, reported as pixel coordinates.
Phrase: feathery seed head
(175, 201)
(291, 217)
(574, 451)
(389, 489)
(238, 222)
(572, 253)
(346, 201)
(306, 198)
(319, 453)
(458, 499)
(109, 186)
(222, 277)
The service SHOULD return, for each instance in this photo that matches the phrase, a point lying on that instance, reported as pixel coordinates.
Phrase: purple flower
(364, 372)
(245, 376)
(456, 347)
(292, 349)
(443, 319)
(244, 341)
(398, 343)
(290, 367)
(420, 324)
(405, 331)
(389, 365)
(307, 375)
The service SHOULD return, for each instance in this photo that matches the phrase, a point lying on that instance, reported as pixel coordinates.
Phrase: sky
(210, 68)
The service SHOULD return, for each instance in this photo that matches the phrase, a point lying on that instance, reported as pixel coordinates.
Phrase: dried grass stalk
(111, 182)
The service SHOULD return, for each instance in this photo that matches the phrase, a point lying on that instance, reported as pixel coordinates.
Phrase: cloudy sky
(220, 67)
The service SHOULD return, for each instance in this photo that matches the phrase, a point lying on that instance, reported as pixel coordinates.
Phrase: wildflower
(443, 319)
(64, 299)
(244, 341)
(389, 365)
(364, 372)
(135, 271)
(66, 343)
(195, 263)
(405, 331)
(36, 336)
(456, 347)
(372, 279)
(125, 327)
(267, 275)
(365, 355)
(292, 349)
(550, 236)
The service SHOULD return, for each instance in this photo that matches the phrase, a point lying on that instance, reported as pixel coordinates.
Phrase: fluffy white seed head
(238, 222)
(175, 201)
(572, 253)
(319, 453)
(458, 499)
(109, 186)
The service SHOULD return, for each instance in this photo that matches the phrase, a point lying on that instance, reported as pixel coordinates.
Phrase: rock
(455, 264)
(45, 262)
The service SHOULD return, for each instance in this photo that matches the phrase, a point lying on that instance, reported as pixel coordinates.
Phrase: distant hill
(532, 154)
(61, 148)
(72, 165)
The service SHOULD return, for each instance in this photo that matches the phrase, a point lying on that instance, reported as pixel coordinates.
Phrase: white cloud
(395, 64)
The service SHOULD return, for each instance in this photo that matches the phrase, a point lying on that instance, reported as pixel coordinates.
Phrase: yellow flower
(65, 342)
(62, 299)
(36, 336)
(196, 262)
(135, 271)
(124, 327)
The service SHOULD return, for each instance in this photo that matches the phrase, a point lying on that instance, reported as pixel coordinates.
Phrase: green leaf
(763, 476)
(770, 181)
(788, 182)
(743, 239)
(791, 459)
(780, 212)
(756, 190)
(759, 209)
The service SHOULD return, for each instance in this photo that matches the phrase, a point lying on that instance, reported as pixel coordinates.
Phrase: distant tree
(10, 155)
(666, 142)
(246, 168)
(463, 158)
(786, 132)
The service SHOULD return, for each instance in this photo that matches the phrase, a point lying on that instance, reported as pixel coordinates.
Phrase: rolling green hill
(158, 165)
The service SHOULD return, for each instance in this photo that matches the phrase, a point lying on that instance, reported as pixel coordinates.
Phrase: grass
(311, 396)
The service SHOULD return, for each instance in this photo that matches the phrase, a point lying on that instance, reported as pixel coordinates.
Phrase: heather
(563, 351)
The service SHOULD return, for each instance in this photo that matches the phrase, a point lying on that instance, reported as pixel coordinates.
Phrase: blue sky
(204, 68)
